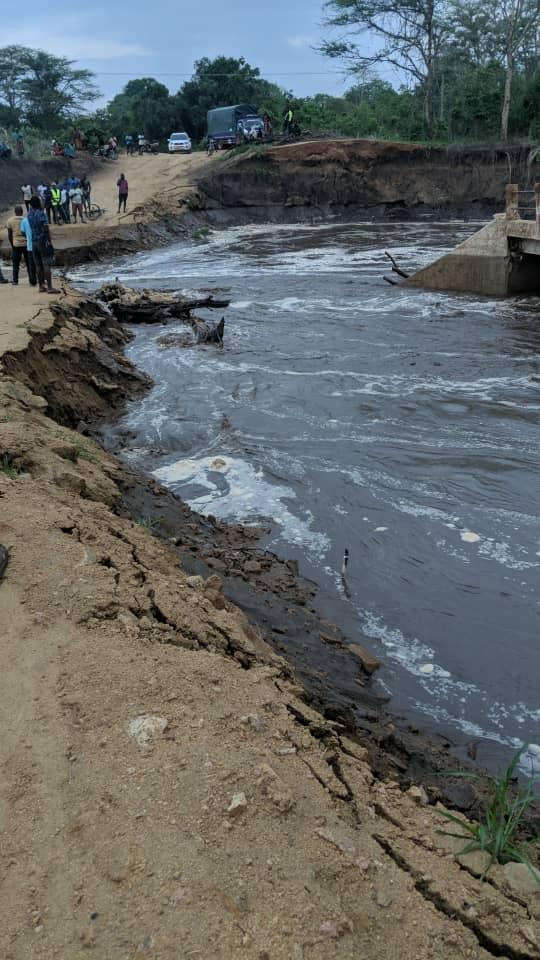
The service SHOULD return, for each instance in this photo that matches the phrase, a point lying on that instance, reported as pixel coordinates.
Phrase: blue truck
(230, 126)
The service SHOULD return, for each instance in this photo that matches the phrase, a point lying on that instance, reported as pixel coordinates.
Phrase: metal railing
(523, 204)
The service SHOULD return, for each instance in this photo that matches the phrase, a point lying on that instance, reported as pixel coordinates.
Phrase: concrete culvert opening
(524, 274)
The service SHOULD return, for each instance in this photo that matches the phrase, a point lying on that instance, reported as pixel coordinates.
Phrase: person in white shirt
(64, 203)
(41, 190)
(75, 195)
(27, 192)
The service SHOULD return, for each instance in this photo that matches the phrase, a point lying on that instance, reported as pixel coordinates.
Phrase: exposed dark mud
(365, 179)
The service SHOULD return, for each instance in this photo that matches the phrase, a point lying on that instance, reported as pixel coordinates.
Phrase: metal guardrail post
(537, 205)
(512, 201)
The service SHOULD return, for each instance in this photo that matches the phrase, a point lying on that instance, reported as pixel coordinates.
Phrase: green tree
(222, 82)
(12, 71)
(408, 35)
(529, 113)
(506, 32)
(144, 106)
(392, 114)
(42, 90)
(475, 102)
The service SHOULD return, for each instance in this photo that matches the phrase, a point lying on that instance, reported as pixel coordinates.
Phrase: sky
(163, 38)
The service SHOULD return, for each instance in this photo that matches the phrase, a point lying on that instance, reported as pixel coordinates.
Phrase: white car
(179, 143)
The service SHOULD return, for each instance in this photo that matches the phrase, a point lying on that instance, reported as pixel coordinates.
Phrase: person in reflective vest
(287, 119)
(56, 198)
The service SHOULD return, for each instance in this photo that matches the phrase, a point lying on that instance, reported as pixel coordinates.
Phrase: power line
(303, 73)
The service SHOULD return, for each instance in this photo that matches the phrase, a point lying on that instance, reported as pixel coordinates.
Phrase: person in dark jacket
(42, 248)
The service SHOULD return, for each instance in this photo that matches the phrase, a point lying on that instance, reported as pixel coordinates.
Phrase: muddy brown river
(399, 424)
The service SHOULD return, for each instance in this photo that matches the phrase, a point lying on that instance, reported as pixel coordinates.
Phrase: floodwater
(399, 424)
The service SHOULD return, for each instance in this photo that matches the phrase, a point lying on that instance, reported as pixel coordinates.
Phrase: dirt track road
(153, 180)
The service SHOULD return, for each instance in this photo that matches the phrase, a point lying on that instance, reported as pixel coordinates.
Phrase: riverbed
(400, 425)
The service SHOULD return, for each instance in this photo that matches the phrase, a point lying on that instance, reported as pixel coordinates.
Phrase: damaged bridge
(501, 259)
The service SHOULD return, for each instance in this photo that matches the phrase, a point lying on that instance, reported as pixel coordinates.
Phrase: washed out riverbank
(426, 468)
(156, 754)
(164, 780)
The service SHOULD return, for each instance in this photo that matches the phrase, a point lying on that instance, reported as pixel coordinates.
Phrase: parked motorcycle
(106, 151)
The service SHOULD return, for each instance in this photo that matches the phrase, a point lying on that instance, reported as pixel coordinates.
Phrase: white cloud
(299, 42)
(80, 44)
(83, 48)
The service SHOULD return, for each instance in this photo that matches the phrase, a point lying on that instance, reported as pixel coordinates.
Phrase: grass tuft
(148, 523)
(82, 452)
(505, 816)
(8, 468)
(201, 233)
(78, 447)
(255, 148)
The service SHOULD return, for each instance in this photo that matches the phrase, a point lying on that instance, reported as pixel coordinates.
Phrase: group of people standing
(63, 202)
(29, 236)
(30, 240)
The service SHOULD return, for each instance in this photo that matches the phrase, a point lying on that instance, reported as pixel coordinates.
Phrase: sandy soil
(165, 791)
(156, 183)
(20, 308)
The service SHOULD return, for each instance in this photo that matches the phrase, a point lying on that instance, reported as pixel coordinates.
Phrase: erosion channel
(344, 413)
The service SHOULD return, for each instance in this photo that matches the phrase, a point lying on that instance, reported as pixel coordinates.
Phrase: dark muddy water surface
(400, 424)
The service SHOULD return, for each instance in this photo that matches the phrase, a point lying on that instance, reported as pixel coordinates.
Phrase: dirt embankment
(14, 173)
(365, 178)
(172, 196)
(164, 782)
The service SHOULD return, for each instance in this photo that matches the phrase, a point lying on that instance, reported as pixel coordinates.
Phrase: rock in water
(369, 662)
(206, 333)
(4, 557)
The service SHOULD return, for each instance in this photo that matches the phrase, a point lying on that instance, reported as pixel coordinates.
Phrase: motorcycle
(106, 151)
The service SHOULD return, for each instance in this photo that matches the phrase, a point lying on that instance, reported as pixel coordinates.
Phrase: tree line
(472, 63)
(466, 71)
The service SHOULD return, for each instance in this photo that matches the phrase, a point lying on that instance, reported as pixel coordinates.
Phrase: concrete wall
(484, 263)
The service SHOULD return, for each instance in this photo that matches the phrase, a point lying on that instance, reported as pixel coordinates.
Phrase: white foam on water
(467, 535)
(409, 653)
(241, 304)
(501, 553)
(489, 549)
(417, 659)
(529, 762)
(247, 496)
(399, 385)
(336, 578)
(421, 511)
